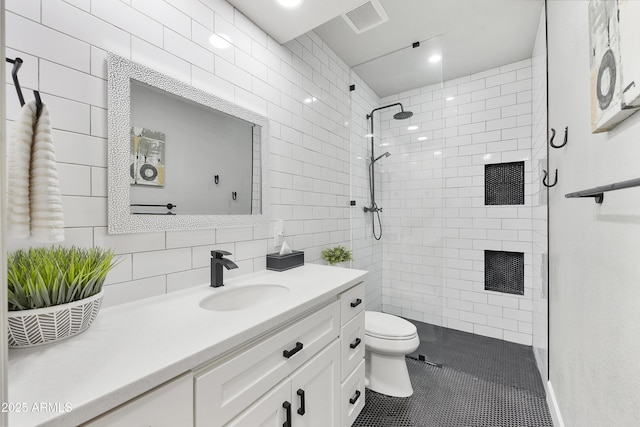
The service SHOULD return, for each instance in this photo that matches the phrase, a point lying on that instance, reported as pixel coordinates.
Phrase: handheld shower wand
(387, 154)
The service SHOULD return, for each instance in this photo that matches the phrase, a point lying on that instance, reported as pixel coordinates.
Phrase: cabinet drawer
(352, 395)
(224, 390)
(168, 405)
(352, 302)
(352, 341)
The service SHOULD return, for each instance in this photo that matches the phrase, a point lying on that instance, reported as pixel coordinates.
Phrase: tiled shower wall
(64, 45)
(433, 193)
(411, 196)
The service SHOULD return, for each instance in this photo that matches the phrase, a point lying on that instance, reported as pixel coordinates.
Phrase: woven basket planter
(28, 328)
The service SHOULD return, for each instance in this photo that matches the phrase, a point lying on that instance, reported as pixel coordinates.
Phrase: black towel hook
(36, 95)
(17, 63)
(544, 179)
(234, 195)
(566, 137)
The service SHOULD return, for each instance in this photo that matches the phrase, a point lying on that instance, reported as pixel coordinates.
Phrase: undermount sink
(243, 297)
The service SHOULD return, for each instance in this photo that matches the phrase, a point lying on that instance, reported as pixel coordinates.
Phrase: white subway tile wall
(64, 45)
(436, 224)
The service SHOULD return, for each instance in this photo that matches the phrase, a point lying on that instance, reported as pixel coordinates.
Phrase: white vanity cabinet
(310, 373)
(352, 354)
(206, 367)
(168, 405)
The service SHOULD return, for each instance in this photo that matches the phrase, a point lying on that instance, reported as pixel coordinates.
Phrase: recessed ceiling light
(412, 127)
(289, 4)
(422, 138)
(220, 41)
(435, 58)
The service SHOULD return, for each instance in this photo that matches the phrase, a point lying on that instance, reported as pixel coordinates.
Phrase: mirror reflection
(188, 159)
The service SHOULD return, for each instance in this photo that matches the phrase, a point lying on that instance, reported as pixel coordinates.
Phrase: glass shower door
(406, 264)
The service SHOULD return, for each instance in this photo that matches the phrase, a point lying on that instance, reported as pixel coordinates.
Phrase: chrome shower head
(402, 115)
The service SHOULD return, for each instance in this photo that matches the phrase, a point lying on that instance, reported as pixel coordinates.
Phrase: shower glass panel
(406, 264)
(367, 251)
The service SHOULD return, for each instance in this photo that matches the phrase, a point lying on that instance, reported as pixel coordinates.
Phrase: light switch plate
(278, 233)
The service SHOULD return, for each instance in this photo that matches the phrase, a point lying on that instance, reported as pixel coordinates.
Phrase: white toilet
(388, 339)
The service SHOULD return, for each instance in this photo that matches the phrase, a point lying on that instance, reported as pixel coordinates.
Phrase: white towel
(34, 207)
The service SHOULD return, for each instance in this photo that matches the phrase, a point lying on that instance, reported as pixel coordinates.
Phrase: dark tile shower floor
(483, 382)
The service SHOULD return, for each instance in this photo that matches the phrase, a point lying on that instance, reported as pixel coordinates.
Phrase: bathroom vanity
(266, 347)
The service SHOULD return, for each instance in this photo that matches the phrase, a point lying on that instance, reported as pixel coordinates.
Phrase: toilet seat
(388, 327)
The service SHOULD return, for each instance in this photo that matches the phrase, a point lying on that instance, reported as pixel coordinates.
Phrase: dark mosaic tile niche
(504, 184)
(504, 272)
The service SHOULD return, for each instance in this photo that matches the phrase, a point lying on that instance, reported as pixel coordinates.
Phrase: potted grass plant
(54, 292)
(337, 255)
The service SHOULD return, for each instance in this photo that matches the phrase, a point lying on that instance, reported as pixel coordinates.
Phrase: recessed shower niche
(504, 184)
(504, 272)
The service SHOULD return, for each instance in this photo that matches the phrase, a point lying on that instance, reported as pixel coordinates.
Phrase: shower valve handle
(375, 209)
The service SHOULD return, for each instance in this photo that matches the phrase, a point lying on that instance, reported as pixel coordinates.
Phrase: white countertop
(134, 347)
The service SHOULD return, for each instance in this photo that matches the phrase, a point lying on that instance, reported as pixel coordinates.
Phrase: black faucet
(217, 262)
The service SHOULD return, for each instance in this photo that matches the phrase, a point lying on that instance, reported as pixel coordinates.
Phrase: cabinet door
(169, 405)
(352, 337)
(315, 390)
(268, 411)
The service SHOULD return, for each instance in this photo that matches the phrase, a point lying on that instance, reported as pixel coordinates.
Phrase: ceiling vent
(366, 16)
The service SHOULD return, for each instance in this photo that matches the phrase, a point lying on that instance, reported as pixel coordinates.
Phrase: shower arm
(370, 115)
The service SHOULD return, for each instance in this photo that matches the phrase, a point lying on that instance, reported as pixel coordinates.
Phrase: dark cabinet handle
(355, 397)
(355, 343)
(300, 393)
(294, 350)
(356, 303)
(287, 406)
